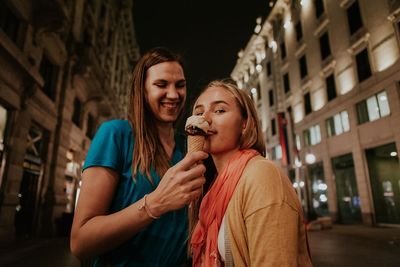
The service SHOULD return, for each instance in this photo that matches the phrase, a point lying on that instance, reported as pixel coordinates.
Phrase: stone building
(324, 75)
(65, 68)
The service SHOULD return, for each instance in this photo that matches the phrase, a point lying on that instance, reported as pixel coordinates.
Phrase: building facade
(325, 77)
(65, 68)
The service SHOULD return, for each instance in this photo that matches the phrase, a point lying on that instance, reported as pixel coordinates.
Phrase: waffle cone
(195, 142)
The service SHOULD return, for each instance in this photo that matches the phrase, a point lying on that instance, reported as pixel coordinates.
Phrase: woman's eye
(219, 111)
(198, 113)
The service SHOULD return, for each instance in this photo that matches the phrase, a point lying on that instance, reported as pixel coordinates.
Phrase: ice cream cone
(195, 142)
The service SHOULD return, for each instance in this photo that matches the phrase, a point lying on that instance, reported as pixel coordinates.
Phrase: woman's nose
(207, 116)
(172, 92)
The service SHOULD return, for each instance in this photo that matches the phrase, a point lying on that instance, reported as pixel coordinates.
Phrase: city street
(341, 246)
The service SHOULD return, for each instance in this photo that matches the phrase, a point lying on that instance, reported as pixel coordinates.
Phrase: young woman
(251, 215)
(131, 206)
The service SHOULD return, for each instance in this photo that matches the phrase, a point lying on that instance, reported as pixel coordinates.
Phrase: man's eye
(198, 113)
(161, 85)
(219, 111)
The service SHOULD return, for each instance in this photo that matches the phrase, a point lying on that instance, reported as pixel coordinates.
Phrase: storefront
(384, 173)
(348, 199)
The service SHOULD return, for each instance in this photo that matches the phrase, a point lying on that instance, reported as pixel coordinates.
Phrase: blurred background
(323, 74)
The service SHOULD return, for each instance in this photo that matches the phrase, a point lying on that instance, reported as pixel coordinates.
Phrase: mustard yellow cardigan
(263, 220)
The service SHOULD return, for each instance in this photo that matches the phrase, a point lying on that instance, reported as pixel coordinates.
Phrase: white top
(221, 240)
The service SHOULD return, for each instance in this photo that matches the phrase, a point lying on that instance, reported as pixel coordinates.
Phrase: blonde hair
(251, 138)
(252, 135)
(148, 151)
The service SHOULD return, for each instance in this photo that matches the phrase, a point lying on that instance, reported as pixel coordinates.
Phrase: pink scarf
(212, 209)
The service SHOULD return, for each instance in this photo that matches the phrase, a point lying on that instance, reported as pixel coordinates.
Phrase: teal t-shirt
(161, 243)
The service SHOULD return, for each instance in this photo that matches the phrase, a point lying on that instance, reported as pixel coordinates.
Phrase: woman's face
(165, 91)
(221, 110)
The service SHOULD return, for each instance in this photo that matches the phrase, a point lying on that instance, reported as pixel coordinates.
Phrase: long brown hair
(251, 138)
(148, 150)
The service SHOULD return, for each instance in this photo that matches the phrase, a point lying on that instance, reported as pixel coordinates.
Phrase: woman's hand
(180, 185)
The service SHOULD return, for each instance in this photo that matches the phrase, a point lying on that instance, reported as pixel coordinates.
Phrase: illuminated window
(324, 46)
(363, 66)
(307, 103)
(276, 152)
(373, 108)
(331, 87)
(354, 17)
(338, 124)
(312, 135)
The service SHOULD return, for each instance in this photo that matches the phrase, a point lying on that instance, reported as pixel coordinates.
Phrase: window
(286, 84)
(299, 31)
(276, 152)
(273, 127)
(324, 46)
(338, 124)
(269, 68)
(373, 108)
(312, 136)
(354, 17)
(283, 50)
(331, 87)
(90, 126)
(298, 142)
(76, 115)
(307, 103)
(49, 73)
(271, 97)
(303, 67)
(319, 8)
(363, 67)
(9, 23)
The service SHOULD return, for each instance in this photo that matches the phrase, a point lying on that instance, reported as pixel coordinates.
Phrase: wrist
(154, 205)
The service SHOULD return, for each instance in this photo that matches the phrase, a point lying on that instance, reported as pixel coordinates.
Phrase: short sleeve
(105, 149)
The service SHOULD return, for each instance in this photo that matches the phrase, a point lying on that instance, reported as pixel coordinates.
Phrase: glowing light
(322, 187)
(257, 29)
(301, 184)
(319, 99)
(297, 162)
(286, 24)
(271, 3)
(346, 80)
(273, 45)
(393, 154)
(386, 54)
(323, 198)
(254, 91)
(259, 68)
(310, 158)
(302, 2)
(295, 185)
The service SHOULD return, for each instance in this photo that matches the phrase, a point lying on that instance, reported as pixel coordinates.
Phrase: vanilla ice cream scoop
(196, 125)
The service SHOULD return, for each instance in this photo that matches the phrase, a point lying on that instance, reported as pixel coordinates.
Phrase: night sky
(209, 34)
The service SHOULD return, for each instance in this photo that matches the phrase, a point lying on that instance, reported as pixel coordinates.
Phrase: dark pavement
(341, 246)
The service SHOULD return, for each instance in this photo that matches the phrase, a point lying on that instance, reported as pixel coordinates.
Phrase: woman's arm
(95, 231)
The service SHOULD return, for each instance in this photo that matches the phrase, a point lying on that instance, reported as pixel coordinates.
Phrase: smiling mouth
(170, 105)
